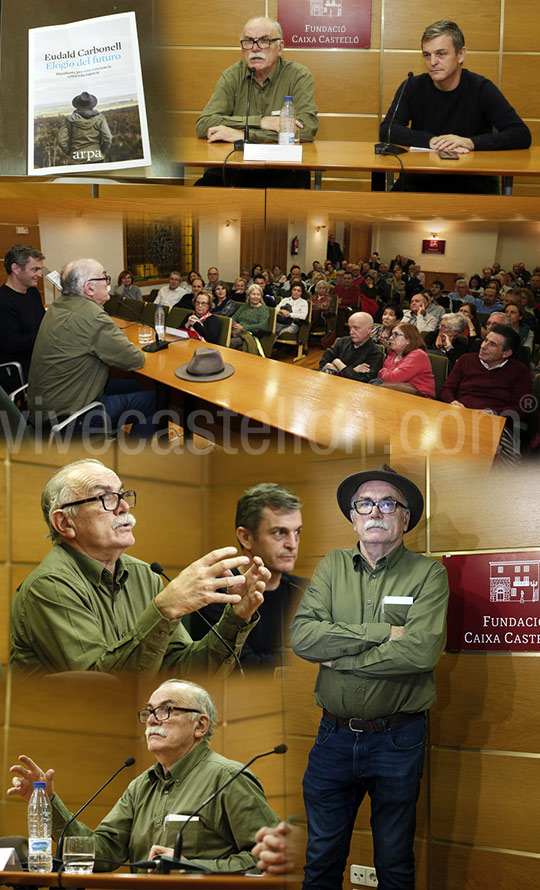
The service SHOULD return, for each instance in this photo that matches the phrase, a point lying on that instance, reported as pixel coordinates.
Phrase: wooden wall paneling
(5, 598)
(454, 867)
(190, 74)
(485, 798)
(276, 243)
(396, 65)
(360, 242)
(3, 513)
(180, 23)
(253, 247)
(521, 26)
(403, 26)
(487, 701)
(149, 464)
(520, 75)
(28, 530)
(346, 81)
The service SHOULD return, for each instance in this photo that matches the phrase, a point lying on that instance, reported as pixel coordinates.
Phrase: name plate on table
(284, 154)
(9, 860)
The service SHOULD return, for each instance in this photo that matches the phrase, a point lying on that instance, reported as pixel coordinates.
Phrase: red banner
(494, 602)
(433, 245)
(326, 24)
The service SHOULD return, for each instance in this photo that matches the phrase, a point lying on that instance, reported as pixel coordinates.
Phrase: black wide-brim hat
(348, 488)
(84, 100)
(205, 364)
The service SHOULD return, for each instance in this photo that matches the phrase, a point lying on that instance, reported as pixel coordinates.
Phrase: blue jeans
(343, 765)
(126, 402)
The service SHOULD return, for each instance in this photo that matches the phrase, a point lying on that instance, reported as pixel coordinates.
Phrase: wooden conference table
(122, 881)
(331, 412)
(189, 151)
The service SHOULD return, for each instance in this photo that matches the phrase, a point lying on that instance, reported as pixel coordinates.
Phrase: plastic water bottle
(160, 322)
(287, 122)
(39, 830)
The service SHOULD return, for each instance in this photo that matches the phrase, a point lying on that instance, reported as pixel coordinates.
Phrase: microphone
(387, 148)
(239, 143)
(158, 569)
(150, 347)
(166, 863)
(57, 862)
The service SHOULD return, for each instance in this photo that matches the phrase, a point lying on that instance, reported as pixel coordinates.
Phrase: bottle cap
(40, 784)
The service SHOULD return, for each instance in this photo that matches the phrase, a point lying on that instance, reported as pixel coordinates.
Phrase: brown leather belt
(381, 724)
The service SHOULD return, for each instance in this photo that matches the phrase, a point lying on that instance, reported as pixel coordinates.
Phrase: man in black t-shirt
(21, 311)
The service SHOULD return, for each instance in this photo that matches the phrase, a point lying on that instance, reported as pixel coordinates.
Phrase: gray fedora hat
(205, 364)
(384, 473)
(84, 100)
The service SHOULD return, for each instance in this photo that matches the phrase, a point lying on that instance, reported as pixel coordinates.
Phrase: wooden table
(122, 881)
(360, 156)
(331, 412)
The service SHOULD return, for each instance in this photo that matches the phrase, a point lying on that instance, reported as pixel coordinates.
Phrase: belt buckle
(353, 728)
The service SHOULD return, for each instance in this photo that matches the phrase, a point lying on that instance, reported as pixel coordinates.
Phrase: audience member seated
(369, 294)
(397, 285)
(491, 380)
(278, 276)
(475, 286)
(76, 345)
(212, 277)
(436, 289)
(171, 294)
(515, 317)
(356, 356)
(473, 331)
(391, 316)
(414, 284)
(418, 314)
(203, 325)
(267, 289)
(321, 305)
(126, 288)
(239, 290)
(434, 307)
(224, 305)
(461, 291)
(291, 310)
(407, 367)
(490, 301)
(191, 275)
(449, 340)
(250, 318)
(348, 300)
(21, 310)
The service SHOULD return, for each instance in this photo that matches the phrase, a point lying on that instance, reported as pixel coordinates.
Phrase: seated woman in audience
(516, 319)
(291, 310)
(202, 325)
(449, 340)
(407, 367)
(224, 305)
(250, 318)
(125, 286)
(475, 286)
(391, 316)
(191, 275)
(321, 305)
(369, 296)
(329, 270)
(278, 277)
(473, 331)
(239, 290)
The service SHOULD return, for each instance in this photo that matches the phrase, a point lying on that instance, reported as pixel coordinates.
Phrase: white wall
(70, 236)
(219, 245)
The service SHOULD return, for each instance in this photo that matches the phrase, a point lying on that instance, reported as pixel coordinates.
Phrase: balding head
(360, 326)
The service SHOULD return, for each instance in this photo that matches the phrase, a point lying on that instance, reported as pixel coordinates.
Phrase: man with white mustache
(87, 606)
(180, 718)
(224, 116)
(374, 618)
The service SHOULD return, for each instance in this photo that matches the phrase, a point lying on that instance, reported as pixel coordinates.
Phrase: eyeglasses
(110, 500)
(163, 712)
(364, 506)
(261, 42)
(105, 277)
(396, 334)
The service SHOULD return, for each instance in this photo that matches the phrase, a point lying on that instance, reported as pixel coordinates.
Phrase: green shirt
(77, 343)
(343, 619)
(228, 103)
(70, 614)
(222, 837)
(252, 318)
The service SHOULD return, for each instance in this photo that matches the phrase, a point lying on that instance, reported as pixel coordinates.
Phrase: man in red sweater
(492, 380)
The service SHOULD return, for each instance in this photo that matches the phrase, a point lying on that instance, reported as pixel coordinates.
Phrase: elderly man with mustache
(374, 619)
(224, 116)
(88, 607)
(179, 717)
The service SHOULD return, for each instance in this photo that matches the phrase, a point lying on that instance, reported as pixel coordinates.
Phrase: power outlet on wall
(364, 875)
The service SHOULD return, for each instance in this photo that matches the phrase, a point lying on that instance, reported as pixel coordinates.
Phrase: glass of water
(79, 855)
(145, 334)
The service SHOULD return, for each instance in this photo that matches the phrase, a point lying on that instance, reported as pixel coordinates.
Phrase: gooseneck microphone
(250, 87)
(158, 569)
(158, 344)
(57, 862)
(387, 148)
(166, 863)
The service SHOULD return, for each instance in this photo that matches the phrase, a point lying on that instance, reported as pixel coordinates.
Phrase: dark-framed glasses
(261, 42)
(364, 506)
(163, 712)
(104, 277)
(109, 499)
